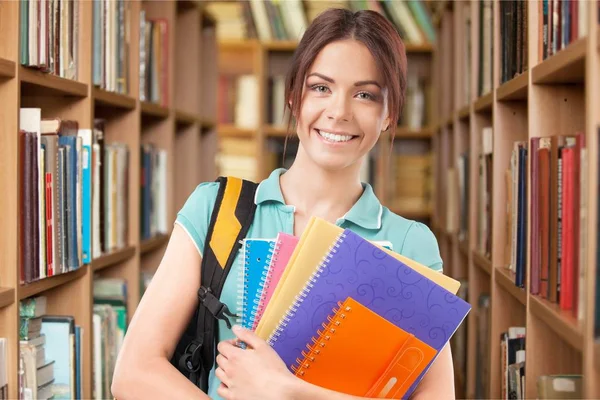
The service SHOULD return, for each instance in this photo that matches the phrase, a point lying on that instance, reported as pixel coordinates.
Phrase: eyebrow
(359, 83)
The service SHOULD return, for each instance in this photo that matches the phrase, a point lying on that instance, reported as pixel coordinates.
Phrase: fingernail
(236, 328)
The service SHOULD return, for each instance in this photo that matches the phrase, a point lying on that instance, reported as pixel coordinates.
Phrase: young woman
(345, 86)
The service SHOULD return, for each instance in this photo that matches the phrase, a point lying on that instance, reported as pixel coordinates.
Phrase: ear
(386, 124)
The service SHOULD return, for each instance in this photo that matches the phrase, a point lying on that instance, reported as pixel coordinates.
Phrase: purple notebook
(357, 268)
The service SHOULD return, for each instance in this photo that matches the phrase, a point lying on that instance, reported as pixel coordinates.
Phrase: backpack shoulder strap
(230, 221)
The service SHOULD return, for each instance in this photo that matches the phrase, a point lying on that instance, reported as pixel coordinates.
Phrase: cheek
(309, 113)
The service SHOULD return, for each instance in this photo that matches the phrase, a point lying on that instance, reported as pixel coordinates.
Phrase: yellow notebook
(314, 245)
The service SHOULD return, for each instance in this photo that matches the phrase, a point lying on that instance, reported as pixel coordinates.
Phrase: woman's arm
(143, 370)
(438, 382)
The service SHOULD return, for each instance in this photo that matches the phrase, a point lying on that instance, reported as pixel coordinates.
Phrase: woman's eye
(366, 96)
(319, 88)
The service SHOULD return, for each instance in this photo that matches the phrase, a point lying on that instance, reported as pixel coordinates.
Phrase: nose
(339, 109)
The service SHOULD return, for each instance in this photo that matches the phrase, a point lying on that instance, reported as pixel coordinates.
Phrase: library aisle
(112, 112)
(516, 163)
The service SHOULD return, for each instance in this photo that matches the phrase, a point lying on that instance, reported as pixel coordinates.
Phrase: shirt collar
(366, 212)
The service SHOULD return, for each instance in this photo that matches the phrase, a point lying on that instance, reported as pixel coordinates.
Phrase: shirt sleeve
(420, 244)
(194, 216)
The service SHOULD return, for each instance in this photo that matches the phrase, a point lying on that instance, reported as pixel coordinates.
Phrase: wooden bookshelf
(113, 258)
(554, 96)
(46, 284)
(7, 68)
(36, 82)
(112, 99)
(154, 243)
(7, 297)
(154, 110)
(128, 120)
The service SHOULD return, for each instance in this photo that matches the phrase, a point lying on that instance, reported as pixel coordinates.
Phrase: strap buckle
(191, 357)
(218, 309)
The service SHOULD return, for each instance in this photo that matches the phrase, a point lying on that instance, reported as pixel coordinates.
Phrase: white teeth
(334, 137)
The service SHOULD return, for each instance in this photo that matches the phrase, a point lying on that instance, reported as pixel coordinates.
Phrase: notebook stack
(315, 297)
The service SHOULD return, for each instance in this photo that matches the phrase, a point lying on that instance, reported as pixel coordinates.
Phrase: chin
(333, 163)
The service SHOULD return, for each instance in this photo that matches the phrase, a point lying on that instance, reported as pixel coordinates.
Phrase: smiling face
(344, 105)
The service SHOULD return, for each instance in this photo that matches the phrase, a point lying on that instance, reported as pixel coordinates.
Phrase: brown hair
(369, 27)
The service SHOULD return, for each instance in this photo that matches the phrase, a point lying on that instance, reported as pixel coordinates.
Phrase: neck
(315, 191)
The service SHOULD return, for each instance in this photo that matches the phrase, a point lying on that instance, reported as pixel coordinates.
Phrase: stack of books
(375, 320)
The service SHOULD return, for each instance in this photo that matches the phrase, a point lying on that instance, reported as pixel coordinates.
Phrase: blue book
(255, 260)
(86, 196)
(61, 347)
(357, 268)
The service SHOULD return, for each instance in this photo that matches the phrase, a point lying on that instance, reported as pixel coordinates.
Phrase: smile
(334, 137)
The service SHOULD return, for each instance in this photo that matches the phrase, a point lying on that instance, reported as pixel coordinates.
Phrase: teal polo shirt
(367, 217)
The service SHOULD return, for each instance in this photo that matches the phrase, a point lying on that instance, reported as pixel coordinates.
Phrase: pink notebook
(284, 247)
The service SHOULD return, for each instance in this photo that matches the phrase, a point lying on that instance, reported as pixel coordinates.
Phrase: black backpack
(230, 220)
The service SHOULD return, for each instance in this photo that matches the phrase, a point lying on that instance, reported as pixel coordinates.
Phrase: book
(383, 363)
(284, 247)
(357, 268)
(255, 259)
(314, 245)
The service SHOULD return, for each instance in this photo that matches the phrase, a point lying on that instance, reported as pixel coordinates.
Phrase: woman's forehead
(346, 60)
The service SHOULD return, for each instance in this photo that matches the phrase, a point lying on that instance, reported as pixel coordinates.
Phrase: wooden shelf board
(238, 44)
(482, 262)
(113, 258)
(148, 245)
(186, 118)
(565, 66)
(275, 131)
(412, 213)
(419, 48)
(207, 123)
(44, 284)
(229, 130)
(150, 109)
(34, 82)
(484, 103)
(7, 68)
(7, 296)
(562, 323)
(464, 113)
(112, 99)
(187, 4)
(463, 247)
(514, 89)
(403, 132)
(506, 279)
(280, 45)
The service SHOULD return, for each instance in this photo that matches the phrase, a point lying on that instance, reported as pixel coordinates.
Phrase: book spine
(242, 284)
(305, 290)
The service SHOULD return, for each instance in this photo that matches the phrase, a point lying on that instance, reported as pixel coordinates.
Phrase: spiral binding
(334, 322)
(265, 281)
(242, 286)
(299, 298)
(273, 247)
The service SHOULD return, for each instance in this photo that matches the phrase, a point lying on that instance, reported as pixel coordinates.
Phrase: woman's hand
(253, 373)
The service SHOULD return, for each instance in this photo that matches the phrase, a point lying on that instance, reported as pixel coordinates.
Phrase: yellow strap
(227, 227)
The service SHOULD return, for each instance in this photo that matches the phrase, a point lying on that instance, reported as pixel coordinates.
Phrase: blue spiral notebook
(358, 269)
(255, 260)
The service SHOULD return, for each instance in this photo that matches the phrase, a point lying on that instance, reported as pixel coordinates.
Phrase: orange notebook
(361, 353)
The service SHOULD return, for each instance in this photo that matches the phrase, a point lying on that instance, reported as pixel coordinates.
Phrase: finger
(224, 391)
(227, 348)
(249, 337)
(222, 362)
(222, 376)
